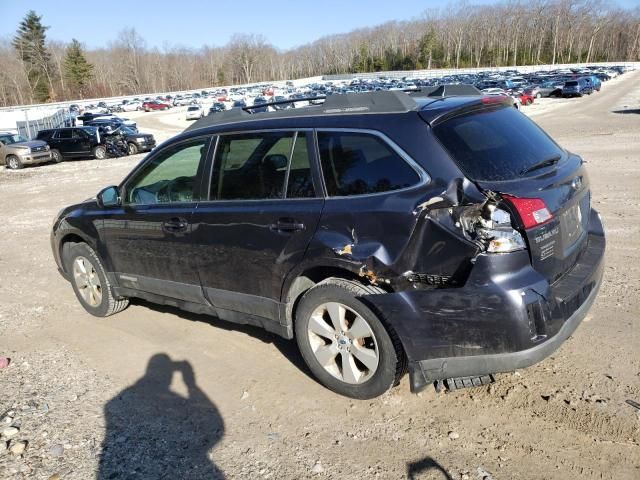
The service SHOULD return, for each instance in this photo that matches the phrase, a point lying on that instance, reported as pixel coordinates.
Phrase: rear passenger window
(254, 166)
(356, 163)
(64, 134)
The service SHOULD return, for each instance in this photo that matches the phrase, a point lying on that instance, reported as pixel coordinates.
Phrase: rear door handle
(175, 225)
(287, 225)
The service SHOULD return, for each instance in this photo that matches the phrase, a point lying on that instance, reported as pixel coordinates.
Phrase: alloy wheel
(343, 343)
(87, 281)
(13, 163)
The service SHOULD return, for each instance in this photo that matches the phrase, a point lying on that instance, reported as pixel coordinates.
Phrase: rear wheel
(344, 343)
(90, 282)
(14, 163)
(133, 148)
(56, 156)
(100, 152)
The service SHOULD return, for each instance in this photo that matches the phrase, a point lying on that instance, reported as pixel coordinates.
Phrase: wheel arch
(299, 283)
(67, 241)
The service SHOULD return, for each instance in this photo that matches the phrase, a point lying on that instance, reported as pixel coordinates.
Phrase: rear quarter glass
(495, 144)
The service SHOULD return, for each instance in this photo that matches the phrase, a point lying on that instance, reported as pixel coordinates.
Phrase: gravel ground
(157, 393)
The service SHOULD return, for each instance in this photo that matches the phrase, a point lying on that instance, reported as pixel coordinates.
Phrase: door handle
(175, 225)
(287, 225)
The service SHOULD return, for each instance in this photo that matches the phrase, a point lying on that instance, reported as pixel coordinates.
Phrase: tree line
(511, 32)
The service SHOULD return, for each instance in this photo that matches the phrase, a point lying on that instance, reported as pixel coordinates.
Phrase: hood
(30, 144)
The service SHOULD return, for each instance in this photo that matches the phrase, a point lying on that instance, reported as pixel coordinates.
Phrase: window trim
(424, 177)
(123, 187)
(316, 173)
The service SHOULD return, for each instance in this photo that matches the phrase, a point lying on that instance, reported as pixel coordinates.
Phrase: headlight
(26, 150)
(47, 148)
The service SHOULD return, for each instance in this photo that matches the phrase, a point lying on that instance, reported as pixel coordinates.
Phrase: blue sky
(191, 23)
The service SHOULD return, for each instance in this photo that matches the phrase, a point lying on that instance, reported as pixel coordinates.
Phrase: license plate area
(573, 222)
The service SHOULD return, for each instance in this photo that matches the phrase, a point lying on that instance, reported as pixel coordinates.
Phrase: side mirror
(109, 197)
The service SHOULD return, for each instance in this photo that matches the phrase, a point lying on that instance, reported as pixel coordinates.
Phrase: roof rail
(350, 103)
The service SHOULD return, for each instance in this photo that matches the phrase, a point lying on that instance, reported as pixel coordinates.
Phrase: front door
(149, 239)
(262, 212)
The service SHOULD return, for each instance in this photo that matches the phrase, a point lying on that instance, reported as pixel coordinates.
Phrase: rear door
(502, 151)
(264, 206)
(82, 141)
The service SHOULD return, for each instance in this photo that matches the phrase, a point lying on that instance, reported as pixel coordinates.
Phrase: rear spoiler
(453, 90)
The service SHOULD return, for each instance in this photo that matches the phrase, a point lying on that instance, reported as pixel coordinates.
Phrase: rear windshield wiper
(541, 164)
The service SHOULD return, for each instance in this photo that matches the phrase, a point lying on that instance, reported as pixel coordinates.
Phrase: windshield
(9, 139)
(495, 144)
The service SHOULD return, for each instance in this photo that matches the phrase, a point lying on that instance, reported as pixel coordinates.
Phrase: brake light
(532, 211)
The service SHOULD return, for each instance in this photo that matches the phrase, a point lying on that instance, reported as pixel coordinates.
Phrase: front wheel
(100, 152)
(344, 343)
(89, 281)
(56, 156)
(14, 163)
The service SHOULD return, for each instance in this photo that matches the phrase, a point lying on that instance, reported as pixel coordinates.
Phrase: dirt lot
(157, 393)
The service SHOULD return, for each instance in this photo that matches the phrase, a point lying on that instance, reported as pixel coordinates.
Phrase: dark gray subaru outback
(441, 232)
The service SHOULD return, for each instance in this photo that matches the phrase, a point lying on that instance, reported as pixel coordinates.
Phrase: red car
(155, 105)
(525, 98)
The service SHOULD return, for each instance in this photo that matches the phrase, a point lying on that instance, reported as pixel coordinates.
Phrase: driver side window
(171, 176)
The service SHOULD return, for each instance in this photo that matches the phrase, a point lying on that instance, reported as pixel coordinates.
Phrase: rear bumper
(506, 317)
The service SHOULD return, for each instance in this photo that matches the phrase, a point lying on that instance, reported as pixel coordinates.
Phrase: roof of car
(378, 102)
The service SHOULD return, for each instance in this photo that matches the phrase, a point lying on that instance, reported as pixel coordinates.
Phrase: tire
(379, 345)
(13, 162)
(56, 156)
(528, 102)
(132, 148)
(100, 152)
(538, 95)
(90, 282)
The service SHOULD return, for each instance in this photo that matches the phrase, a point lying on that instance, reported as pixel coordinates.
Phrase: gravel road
(157, 393)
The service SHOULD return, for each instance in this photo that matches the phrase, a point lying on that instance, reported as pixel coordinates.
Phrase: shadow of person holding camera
(155, 433)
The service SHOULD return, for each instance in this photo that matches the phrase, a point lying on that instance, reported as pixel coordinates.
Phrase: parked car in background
(112, 122)
(137, 142)
(150, 105)
(595, 82)
(183, 100)
(550, 88)
(577, 88)
(217, 108)
(76, 142)
(16, 151)
(194, 112)
(130, 106)
(524, 97)
(500, 92)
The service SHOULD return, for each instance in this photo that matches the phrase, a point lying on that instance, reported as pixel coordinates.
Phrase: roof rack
(339, 104)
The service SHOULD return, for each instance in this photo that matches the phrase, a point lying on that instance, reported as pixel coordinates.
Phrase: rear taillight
(532, 211)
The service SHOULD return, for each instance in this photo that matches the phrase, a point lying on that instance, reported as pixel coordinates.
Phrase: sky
(191, 23)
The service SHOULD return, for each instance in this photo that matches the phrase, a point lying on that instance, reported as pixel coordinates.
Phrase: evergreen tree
(77, 70)
(29, 44)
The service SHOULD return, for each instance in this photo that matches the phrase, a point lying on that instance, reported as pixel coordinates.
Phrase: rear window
(193, 109)
(495, 144)
(571, 84)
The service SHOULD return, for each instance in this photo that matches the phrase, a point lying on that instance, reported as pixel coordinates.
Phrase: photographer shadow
(155, 433)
